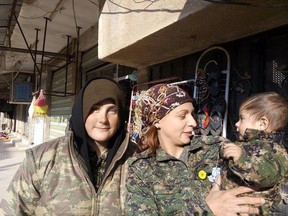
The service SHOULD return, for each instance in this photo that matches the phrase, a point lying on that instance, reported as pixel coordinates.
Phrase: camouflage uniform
(167, 186)
(60, 177)
(54, 181)
(263, 165)
(164, 185)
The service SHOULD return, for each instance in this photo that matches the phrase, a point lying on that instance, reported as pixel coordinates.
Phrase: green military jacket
(164, 185)
(263, 165)
(53, 180)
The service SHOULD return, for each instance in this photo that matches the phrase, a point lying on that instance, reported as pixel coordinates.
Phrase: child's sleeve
(263, 164)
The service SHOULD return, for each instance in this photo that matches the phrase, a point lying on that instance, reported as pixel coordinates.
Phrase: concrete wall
(126, 23)
(144, 33)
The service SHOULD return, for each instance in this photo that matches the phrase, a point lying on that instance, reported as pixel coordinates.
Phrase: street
(10, 159)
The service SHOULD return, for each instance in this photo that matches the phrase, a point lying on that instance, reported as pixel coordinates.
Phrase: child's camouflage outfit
(263, 165)
(171, 186)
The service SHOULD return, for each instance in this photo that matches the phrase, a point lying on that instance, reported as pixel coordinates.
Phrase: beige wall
(127, 23)
(143, 33)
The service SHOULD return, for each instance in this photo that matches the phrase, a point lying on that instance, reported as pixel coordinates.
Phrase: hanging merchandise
(40, 105)
(212, 90)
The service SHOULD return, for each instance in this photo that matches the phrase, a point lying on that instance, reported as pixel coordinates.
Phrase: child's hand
(231, 150)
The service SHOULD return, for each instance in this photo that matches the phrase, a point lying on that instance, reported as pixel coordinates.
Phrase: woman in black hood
(94, 92)
(83, 172)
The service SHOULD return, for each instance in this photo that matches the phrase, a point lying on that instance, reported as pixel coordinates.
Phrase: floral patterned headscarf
(154, 104)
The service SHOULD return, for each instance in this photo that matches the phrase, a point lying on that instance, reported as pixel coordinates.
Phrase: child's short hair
(269, 104)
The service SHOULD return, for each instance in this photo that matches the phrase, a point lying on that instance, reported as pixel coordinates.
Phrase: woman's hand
(226, 202)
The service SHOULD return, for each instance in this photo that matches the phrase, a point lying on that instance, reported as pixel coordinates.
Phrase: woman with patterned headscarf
(161, 179)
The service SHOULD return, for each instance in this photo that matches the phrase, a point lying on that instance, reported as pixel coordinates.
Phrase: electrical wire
(47, 12)
(230, 2)
(35, 5)
(34, 17)
(94, 3)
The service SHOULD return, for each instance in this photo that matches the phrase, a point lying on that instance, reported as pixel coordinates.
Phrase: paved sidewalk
(10, 159)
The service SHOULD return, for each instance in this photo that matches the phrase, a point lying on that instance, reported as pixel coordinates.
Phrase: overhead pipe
(21, 50)
(35, 53)
(65, 93)
(56, 65)
(77, 55)
(67, 63)
(43, 49)
(30, 51)
(59, 93)
(14, 5)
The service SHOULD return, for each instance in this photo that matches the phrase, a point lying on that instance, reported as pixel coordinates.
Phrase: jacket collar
(252, 134)
(196, 144)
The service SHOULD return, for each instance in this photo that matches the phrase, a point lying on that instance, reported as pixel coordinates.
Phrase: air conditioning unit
(21, 93)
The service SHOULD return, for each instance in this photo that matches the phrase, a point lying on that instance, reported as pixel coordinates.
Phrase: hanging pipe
(35, 54)
(67, 62)
(14, 5)
(77, 55)
(43, 49)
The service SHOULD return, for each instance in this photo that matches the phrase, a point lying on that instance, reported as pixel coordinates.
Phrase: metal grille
(277, 65)
(277, 78)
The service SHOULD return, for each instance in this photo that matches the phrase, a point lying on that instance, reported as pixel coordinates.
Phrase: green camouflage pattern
(164, 185)
(52, 180)
(263, 165)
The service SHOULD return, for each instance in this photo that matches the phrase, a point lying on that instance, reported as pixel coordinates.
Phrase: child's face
(246, 121)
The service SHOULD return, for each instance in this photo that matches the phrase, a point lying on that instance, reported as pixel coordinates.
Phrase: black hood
(95, 91)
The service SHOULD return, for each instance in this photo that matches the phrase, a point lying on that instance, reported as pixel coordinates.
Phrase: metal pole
(26, 41)
(14, 5)
(43, 49)
(20, 50)
(77, 55)
(35, 53)
(67, 62)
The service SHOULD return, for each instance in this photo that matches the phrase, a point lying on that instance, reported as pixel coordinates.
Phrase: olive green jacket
(53, 180)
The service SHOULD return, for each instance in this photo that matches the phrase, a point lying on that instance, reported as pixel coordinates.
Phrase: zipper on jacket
(81, 165)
